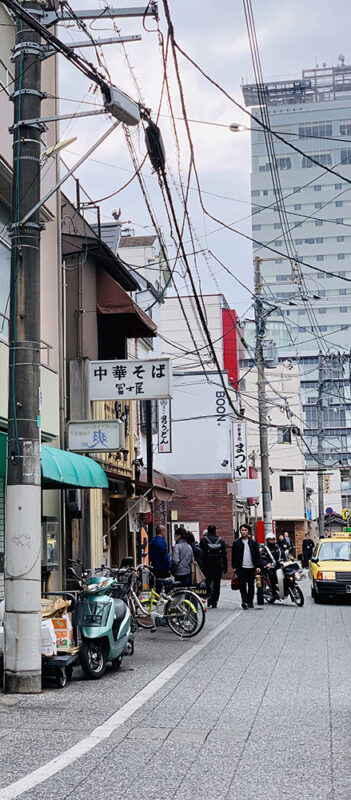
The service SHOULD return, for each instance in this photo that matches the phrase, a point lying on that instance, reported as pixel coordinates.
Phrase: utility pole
(320, 446)
(262, 405)
(149, 455)
(22, 671)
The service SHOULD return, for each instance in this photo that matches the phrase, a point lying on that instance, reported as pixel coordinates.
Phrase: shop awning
(61, 469)
(165, 486)
(112, 299)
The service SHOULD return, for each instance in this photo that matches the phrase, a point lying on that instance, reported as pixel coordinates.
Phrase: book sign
(164, 426)
(129, 379)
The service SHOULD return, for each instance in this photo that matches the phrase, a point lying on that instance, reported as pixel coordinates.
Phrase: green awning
(60, 468)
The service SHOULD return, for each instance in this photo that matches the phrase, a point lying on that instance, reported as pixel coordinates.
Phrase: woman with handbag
(197, 575)
(182, 558)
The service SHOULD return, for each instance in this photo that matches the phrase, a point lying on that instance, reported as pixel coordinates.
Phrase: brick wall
(206, 501)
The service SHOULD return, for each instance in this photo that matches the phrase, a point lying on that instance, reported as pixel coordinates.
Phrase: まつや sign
(240, 451)
(164, 426)
(127, 379)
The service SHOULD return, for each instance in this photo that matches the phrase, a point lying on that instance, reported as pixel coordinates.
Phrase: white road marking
(103, 731)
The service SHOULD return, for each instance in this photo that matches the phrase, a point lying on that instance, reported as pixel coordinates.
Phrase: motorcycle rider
(271, 556)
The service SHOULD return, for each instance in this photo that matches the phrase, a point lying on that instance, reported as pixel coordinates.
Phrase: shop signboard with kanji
(130, 379)
(164, 426)
(95, 436)
(239, 450)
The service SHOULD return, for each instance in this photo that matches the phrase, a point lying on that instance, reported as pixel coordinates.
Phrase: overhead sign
(127, 379)
(95, 436)
(240, 451)
(164, 426)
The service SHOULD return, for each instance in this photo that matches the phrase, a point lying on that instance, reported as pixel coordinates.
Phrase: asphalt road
(259, 709)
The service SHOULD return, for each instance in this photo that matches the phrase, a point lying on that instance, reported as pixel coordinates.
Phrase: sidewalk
(260, 710)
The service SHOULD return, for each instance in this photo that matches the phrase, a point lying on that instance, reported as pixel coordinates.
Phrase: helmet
(270, 536)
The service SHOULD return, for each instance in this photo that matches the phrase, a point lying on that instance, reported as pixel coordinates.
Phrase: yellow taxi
(330, 567)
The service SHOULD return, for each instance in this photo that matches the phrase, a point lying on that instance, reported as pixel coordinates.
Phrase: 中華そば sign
(130, 379)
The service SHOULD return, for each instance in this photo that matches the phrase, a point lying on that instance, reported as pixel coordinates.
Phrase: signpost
(95, 436)
(164, 426)
(328, 510)
(240, 450)
(127, 379)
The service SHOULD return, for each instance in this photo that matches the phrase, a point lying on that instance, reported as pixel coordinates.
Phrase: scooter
(287, 575)
(104, 624)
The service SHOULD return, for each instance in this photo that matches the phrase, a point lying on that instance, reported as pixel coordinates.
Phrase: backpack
(214, 551)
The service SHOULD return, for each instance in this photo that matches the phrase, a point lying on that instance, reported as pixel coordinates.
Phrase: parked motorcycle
(104, 624)
(287, 576)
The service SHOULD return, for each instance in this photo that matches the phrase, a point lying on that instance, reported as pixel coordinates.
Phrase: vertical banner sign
(240, 450)
(164, 426)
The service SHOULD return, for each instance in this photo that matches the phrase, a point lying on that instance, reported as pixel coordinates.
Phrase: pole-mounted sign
(240, 450)
(164, 426)
(95, 436)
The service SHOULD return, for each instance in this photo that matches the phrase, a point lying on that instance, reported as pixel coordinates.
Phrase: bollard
(259, 586)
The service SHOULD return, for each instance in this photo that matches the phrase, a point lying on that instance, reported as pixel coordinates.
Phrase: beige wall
(281, 384)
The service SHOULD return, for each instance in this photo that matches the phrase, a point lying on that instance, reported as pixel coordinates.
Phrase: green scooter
(104, 624)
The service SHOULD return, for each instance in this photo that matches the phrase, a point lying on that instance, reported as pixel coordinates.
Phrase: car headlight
(326, 576)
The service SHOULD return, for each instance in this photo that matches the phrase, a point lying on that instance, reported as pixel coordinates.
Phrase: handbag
(235, 582)
(197, 575)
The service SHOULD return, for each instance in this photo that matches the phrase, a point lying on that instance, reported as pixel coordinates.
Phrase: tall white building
(314, 114)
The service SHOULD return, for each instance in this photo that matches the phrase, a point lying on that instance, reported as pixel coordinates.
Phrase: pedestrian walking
(284, 547)
(197, 551)
(246, 562)
(182, 558)
(159, 556)
(215, 563)
(307, 550)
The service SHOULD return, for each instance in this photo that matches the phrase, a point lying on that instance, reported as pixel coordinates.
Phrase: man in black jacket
(215, 563)
(246, 561)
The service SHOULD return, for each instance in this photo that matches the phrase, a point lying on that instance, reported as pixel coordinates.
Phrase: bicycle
(180, 608)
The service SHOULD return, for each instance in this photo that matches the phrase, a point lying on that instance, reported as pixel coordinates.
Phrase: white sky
(292, 35)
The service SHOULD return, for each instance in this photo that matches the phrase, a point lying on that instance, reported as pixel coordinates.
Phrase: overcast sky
(292, 35)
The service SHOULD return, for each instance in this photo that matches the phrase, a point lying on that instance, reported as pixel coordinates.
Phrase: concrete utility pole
(262, 405)
(320, 445)
(22, 671)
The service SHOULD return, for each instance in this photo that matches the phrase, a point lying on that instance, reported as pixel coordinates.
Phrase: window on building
(322, 327)
(341, 256)
(256, 227)
(278, 243)
(265, 192)
(341, 273)
(339, 221)
(286, 483)
(346, 156)
(338, 203)
(282, 277)
(340, 238)
(320, 258)
(322, 310)
(309, 241)
(321, 292)
(319, 239)
(318, 222)
(318, 205)
(338, 186)
(323, 158)
(278, 260)
(343, 309)
(283, 162)
(297, 206)
(284, 435)
(317, 188)
(342, 291)
(277, 225)
(301, 311)
(299, 225)
(297, 189)
(345, 128)
(320, 274)
(344, 327)
(310, 129)
(298, 241)
(255, 193)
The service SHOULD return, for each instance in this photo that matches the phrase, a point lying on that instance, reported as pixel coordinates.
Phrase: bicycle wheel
(143, 619)
(185, 613)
